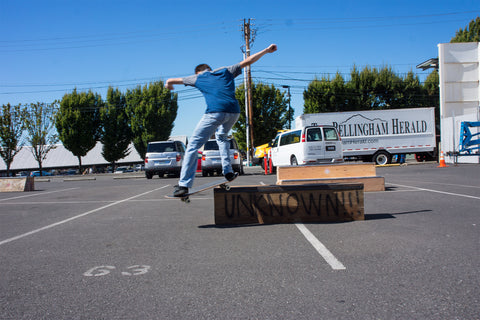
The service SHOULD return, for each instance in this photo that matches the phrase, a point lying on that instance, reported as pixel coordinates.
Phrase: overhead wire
(225, 26)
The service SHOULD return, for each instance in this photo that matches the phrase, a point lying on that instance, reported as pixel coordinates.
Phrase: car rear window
(314, 134)
(212, 145)
(161, 147)
(330, 134)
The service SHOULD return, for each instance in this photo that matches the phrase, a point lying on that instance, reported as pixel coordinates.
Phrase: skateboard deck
(221, 183)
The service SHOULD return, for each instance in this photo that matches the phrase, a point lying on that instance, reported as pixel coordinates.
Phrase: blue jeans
(219, 123)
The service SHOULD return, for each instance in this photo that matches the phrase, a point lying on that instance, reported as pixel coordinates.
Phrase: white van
(307, 145)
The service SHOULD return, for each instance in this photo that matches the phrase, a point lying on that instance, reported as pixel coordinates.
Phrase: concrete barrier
(289, 204)
(364, 173)
(17, 184)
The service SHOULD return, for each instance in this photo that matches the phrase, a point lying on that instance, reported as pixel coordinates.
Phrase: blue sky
(47, 48)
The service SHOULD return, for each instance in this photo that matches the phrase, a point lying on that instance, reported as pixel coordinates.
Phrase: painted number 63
(99, 271)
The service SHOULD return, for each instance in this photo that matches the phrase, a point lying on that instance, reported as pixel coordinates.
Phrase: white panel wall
(459, 72)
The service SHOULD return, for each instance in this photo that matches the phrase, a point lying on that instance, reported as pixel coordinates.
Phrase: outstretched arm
(170, 82)
(255, 57)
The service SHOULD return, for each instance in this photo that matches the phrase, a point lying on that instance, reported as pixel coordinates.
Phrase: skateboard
(217, 183)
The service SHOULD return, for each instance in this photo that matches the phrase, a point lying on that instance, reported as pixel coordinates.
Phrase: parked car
(307, 145)
(199, 164)
(211, 161)
(164, 157)
(37, 173)
(123, 170)
(70, 172)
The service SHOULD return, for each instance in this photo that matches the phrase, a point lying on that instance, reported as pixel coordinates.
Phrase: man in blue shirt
(218, 88)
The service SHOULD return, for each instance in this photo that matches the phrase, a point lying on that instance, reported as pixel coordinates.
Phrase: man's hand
(253, 58)
(272, 48)
(170, 82)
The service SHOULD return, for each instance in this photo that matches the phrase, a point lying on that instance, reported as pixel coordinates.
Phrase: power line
(142, 36)
(60, 43)
(292, 21)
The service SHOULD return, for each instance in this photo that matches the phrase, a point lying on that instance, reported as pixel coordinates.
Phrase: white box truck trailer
(378, 135)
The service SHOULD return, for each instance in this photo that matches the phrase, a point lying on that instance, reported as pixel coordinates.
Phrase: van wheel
(148, 175)
(382, 158)
(293, 161)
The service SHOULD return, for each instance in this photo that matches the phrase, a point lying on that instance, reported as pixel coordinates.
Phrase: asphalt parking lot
(117, 249)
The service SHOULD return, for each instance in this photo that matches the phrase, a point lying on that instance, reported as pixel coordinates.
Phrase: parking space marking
(76, 217)
(321, 249)
(37, 194)
(436, 191)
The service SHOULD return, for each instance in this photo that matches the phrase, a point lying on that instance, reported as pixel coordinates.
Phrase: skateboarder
(218, 89)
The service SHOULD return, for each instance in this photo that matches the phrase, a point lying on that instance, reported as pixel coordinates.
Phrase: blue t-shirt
(218, 88)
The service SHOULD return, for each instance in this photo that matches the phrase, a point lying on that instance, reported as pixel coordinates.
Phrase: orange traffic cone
(442, 161)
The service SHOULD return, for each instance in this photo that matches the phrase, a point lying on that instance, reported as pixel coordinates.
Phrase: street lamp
(289, 115)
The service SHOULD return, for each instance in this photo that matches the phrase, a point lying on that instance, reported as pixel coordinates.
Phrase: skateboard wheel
(227, 187)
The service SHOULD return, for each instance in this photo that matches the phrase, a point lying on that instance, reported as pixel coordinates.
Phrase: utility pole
(248, 103)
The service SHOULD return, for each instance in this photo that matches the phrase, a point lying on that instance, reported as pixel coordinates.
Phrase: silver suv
(164, 157)
(211, 161)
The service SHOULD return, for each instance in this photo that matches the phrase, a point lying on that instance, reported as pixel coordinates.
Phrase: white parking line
(36, 194)
(76, 217)
(436, 191)
(321, 249)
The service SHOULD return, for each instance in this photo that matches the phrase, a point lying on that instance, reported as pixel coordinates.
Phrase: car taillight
(203, 157)
(179, 157)
(146, 159)
(235, 156)
(303, 137)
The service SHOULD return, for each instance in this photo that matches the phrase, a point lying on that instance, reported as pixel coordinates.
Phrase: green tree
(411, 95)
(78, 122)
(316, 97)
(270, 113)
(471, 33)
(115, 130)
(387, 88)
(12, 125)
(367, 90)
(360, 89)
(431, 95)
(40, 128)
(431, 90)
(151, 111)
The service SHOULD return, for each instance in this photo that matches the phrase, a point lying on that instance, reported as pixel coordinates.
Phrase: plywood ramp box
(364, 173)
(17, 184)
(289, 204)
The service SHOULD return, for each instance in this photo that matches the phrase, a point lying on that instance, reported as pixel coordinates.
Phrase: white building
(59, 157)
(459, 73)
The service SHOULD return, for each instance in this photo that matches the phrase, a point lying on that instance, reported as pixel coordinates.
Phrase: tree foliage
(12, 124)
(370, 89)
(270, 113)
(40, 124)
(151, 110)
(78, 122)
(115, 130)
(471, 33)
